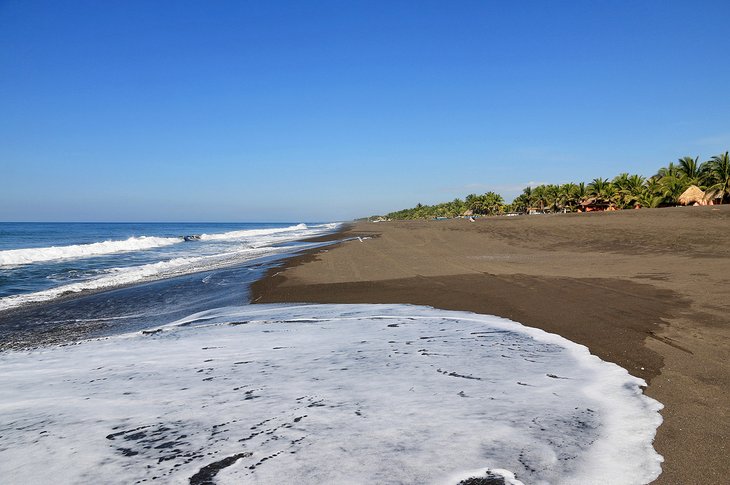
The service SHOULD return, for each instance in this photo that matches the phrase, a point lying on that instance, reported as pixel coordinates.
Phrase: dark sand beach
(647, 289)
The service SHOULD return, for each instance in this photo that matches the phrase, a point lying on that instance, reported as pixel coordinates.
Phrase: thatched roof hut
(588, 201)
(693, 196)
(593, 204)
(468, 213)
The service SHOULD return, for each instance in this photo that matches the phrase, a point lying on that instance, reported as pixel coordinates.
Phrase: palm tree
(552, 197)
(621, 183)
(521, 203)
(611, 195)
(670, 170)
(718, 177)
(492, 203)
(635, 188)
(602, 190)
(456, 207)
(649, 198)
(671, 187)
(524, 201)
(629, 188)
(567, 197)
(596, 186)
(527, 192)
(691, 169)
(672, 180)
(539, 197)
(472, 203)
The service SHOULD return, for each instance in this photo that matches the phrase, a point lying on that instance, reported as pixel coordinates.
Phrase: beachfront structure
(694, 196)
(596, 205)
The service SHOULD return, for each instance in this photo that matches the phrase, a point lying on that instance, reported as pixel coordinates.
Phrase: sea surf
(388, 394)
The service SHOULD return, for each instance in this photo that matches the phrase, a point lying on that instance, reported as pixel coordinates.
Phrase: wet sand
(647, 289)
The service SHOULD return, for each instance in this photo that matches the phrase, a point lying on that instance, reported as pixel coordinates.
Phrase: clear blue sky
(282, 111)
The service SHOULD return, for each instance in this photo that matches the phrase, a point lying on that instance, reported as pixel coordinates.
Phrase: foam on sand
(325, 394)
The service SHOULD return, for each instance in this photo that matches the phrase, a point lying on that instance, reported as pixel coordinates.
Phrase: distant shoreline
(643, 289)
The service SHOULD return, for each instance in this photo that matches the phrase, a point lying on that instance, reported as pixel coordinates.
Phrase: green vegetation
(622, 192)
(486, 204)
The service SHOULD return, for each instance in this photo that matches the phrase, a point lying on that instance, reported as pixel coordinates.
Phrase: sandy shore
(647, 289)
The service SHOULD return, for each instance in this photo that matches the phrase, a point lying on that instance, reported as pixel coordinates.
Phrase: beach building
(694, 196)
(594, 205)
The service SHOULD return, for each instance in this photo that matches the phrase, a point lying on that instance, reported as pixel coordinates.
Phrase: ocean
(60, 281)
(175, 377)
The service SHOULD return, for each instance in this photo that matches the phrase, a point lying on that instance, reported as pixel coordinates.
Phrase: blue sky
(285, 111)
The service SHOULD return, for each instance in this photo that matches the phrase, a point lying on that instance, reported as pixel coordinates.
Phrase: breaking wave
(23, 256)
(16, 257)
(115, 277)
(209, 252)
(250, 233)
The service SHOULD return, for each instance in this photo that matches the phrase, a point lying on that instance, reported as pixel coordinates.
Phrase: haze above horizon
(287, 111)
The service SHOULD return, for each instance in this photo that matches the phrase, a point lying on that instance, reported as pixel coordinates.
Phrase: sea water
(42, 261)
(188, 383)
(68, 280)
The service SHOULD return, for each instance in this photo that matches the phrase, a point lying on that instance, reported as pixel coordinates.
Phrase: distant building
(693, 196)
(595, 205)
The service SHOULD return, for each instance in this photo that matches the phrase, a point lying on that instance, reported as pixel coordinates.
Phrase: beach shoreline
(643, 289)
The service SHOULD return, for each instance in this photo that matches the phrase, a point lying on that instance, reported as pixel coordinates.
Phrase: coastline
(643, 289)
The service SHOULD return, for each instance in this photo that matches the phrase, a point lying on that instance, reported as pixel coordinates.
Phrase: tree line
(625, 191)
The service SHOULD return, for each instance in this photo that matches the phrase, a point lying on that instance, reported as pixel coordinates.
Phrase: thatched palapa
(592, 204)
(693, 196)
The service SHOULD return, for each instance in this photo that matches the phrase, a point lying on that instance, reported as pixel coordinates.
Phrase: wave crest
(115, 277)
(17, 257)
(246, 233)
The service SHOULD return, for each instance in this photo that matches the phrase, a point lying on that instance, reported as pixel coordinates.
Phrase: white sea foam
(261, 237)
(16, 257)
(325, 394)
(252, 233)
(114, 277)
(255, 243)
